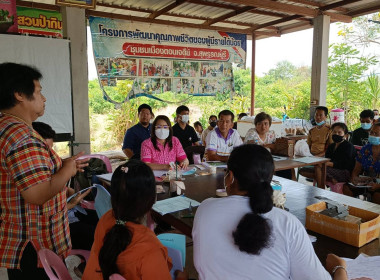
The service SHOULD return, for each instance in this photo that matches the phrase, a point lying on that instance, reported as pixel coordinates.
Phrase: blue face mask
(374, 140)
(320, 123)
(366, 126)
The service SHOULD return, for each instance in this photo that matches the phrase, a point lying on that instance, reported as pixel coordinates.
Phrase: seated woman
(261, 135)
(244, 235)
(162, 147)
(122, 244)
(342, 154)
(368, 164)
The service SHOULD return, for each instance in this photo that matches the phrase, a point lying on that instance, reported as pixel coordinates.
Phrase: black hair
(262, 117)
(16, 78)
(198, 123)
(144, 106)
(375, 110)
(153, 136)
(253, 168)
(367, 114)
(133, 194)
(341, 125)
(44, 130)
(212, 116)
(242, 115)
(322, 108)
(226, 113)
(182, 108)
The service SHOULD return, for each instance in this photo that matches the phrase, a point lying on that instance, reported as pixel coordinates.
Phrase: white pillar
(74, 29)
(319, 60)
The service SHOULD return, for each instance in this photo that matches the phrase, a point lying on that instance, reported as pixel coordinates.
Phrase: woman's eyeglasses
(162, 126)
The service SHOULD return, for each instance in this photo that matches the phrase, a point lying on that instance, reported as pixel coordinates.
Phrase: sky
(295, 47)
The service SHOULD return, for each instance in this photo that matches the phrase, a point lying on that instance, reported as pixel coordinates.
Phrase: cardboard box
(350, 233)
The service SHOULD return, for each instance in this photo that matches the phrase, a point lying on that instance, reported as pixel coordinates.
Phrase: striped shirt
(26, 161)
(222, 146)
(164, 155)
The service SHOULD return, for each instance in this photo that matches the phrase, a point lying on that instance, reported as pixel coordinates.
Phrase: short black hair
(14, 78)
(375, 110)
(198, 123)
(322, 108)
(341, 125)
(226, 113)
(262, 117)
(367, 114)
(242, 115)
(181, 109)
(144, 106)
(212, 116)
(43, 129)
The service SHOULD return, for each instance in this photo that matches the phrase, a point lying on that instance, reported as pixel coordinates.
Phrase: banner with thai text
(8, 16)
(40, 22)
(158, 58)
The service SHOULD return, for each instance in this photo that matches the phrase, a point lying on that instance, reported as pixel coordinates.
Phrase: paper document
(159, 173)
(309, 159)
(106, 176)
(364, 266)
(174, 204)
(278, 158)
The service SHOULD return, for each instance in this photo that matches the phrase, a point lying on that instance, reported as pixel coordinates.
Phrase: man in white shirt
(224, 138)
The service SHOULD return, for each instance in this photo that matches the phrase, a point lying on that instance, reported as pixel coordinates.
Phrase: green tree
(345, 87)
(373, 86)
(284, 70)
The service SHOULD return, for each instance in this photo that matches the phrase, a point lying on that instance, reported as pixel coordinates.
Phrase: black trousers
(82, 232)
(29, 269)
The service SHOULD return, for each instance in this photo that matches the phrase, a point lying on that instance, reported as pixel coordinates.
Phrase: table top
(298, 195)
(291, 163)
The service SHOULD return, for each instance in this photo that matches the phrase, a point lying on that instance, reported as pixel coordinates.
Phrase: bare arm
(128, 152)
(41, 193)
(355, 173)
(333, 261)
(212, 155)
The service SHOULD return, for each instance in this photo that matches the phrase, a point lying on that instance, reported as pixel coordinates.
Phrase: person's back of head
(43, 129)
(16, 78)
(252, 167)
(242, 115)
(133, 193)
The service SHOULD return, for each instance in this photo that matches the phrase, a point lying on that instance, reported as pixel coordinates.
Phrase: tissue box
(350, 233)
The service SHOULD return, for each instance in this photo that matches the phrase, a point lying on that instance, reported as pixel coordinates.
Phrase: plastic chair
(116, 276)
(104, 158)
(176, 244)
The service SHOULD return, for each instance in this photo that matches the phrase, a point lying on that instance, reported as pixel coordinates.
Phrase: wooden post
(253, 74)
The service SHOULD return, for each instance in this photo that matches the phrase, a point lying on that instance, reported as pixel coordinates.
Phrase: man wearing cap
(138, 133)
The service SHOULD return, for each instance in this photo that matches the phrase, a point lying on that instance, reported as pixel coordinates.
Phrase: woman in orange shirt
(122, 244)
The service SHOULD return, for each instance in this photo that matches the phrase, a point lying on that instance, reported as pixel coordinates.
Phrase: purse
(284, 147)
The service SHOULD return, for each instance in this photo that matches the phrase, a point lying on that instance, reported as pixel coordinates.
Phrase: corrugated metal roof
(229, 15)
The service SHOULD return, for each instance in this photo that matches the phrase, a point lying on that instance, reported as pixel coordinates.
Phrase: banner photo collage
(181, 60)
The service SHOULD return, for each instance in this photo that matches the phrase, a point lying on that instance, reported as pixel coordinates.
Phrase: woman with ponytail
(244, 237)
(122, 244)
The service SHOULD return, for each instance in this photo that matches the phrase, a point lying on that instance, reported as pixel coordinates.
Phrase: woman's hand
(184, 164)
(374, 186)
(74, 165)
(181, 275)
(77, 199)
(333, 261)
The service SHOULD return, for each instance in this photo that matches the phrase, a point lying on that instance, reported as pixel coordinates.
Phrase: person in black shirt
(360, 135)
(182, 130)
(342, 155)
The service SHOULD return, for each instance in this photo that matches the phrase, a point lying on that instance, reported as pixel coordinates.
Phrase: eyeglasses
(162, 126)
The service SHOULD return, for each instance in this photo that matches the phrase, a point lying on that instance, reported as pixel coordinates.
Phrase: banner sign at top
(189, 52)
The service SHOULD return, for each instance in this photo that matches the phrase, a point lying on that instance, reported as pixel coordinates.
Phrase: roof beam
(337, 4)
(228, 15)
(274, 22)
(317, 4)
(166, 9)
(364, 11)
(277, 6)
(167, 22)
(338, 17)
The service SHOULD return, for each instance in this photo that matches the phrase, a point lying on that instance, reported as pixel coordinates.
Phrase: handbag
(284, 147)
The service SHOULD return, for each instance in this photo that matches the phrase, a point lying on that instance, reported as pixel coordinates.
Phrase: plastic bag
(302, 148)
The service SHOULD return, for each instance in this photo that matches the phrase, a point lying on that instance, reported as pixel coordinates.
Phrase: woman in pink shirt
(162, 147)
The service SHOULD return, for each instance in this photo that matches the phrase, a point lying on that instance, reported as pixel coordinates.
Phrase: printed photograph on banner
(157, 67)
(185, 68)
(102, 66)
(122, 67)
(188, 86)
(212, 69)
(156, 86)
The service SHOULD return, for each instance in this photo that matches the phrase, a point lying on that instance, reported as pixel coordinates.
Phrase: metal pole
(253, 74)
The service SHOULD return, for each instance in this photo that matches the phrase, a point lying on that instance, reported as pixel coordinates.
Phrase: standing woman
(243, 236)
(261, 135)
(162, 147)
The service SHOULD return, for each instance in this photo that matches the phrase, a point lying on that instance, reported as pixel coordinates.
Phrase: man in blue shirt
(138, 133)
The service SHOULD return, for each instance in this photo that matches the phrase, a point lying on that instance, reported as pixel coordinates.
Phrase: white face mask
(185, 118)
(376, 117)
(151, 121)
(162, 133)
